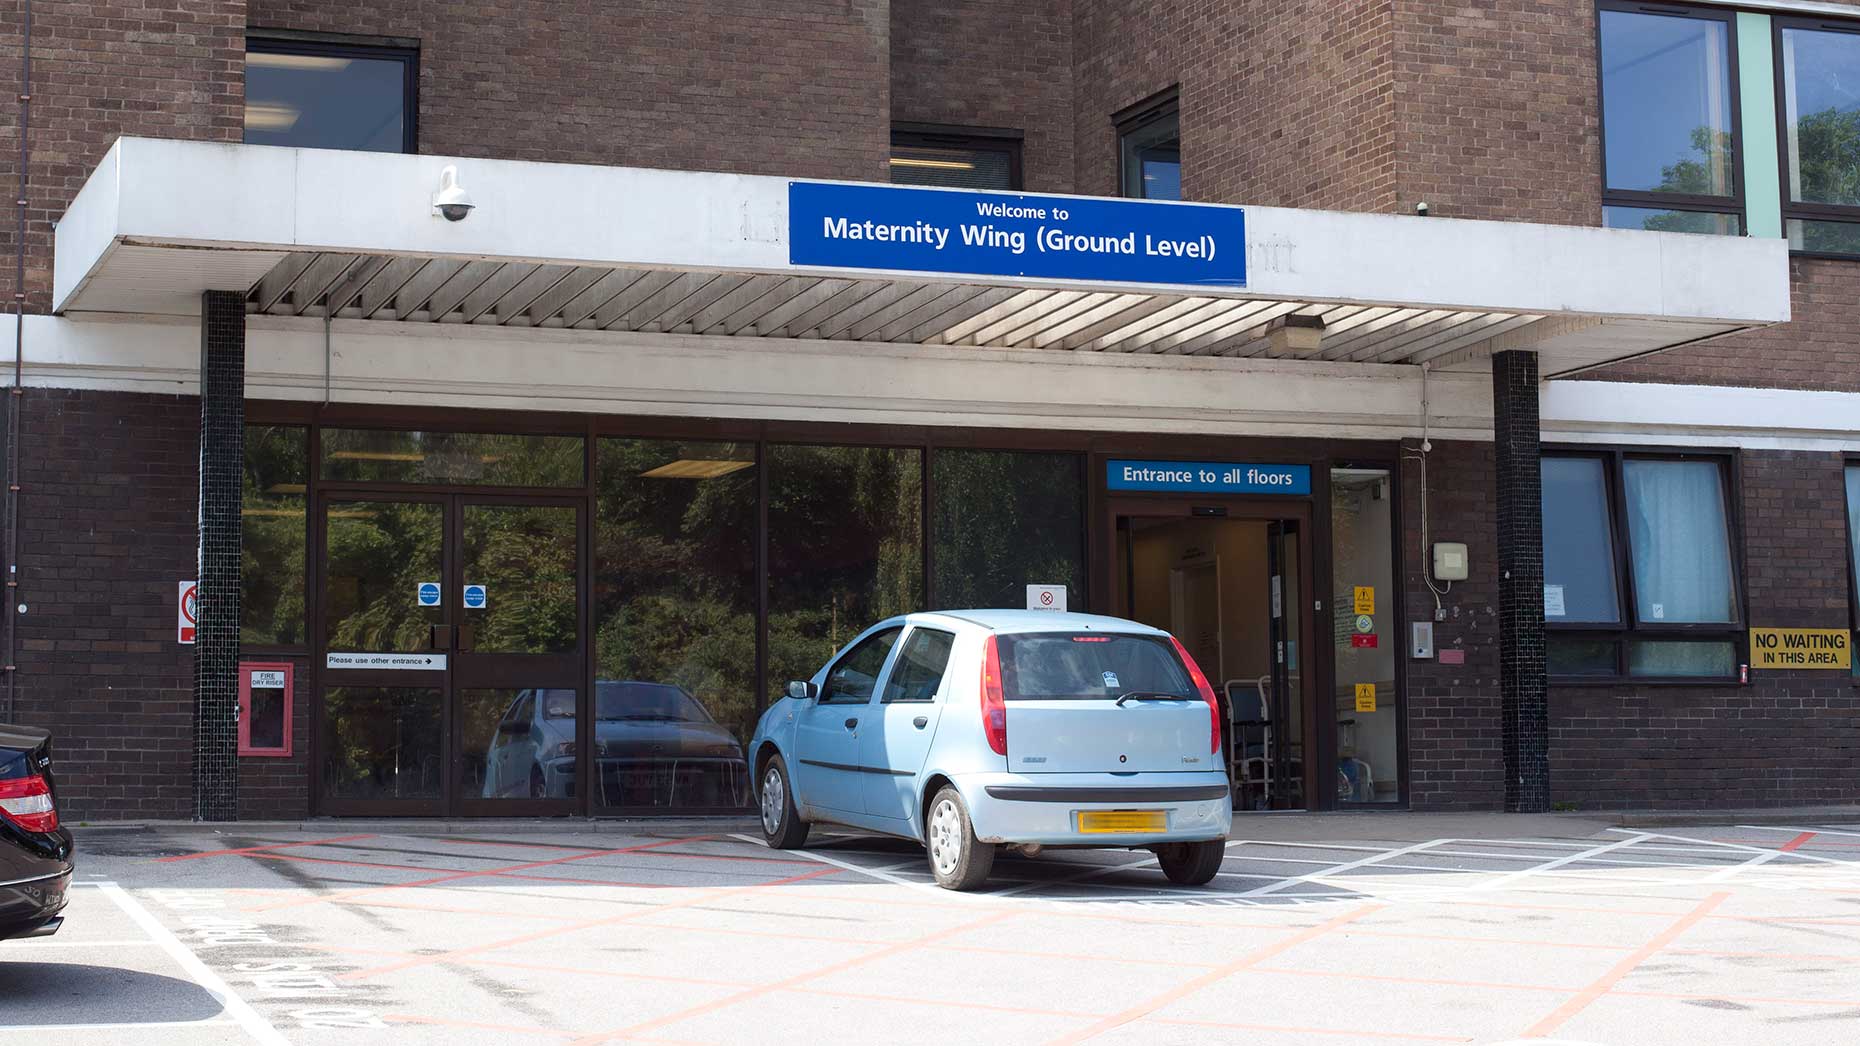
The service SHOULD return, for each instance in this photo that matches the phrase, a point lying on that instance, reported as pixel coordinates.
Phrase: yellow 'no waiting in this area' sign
(1800, 648)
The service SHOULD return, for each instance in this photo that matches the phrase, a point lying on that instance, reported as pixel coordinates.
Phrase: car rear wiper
(1149, 695)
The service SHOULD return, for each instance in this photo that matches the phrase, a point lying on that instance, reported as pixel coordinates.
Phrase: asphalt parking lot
(1360, 929)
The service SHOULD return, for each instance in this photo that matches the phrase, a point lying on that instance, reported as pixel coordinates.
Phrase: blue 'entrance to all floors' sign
(1012, 234)
(1207, 477)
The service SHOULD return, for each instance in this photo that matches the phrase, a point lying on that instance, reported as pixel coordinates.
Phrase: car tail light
(27, 802)
(994, 707)
(1207, 693)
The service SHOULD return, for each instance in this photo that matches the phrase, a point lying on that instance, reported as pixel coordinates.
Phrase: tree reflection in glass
(1006, 520)
(378, 554)
(271, 594)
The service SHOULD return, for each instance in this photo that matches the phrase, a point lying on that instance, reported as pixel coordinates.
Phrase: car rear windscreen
(1073, 665)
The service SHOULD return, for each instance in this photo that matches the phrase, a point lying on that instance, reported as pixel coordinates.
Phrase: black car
(35, 854)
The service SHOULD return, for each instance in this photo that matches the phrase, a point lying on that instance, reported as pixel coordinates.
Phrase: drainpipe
(17, 392)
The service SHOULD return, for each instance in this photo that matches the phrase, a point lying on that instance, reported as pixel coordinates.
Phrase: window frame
(246, 747)
(1164, 104)
(1631, 627)
(1848, 464)
(1791, 209)
(905, 641)
(1734, 203)
(322, 45)
(950, 136)
(858, 644)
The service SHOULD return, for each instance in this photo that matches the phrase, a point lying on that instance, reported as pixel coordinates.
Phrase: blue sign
(429, 593)
(1007, 234)
(474, 596)
(1207, 477)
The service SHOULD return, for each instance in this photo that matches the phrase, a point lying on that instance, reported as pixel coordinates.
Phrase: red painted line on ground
(428, 960)
(300, 859)
(440, 909)
(1797, 843)
(321, 899)
(1390, 978)
(257, 849)
(1212, 977)
(633, 1031)
(446, 1022)
(1468, 939)
(1607, 981)
(570, 880)
(1348, 1033)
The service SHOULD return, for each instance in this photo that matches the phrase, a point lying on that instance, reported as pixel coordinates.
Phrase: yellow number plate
(1119, 821)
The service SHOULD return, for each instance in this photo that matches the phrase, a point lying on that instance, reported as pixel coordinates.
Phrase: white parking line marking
(1342, 868)
(1797, 831)
(242, 1013)
(1550, 866)
(1804, 855)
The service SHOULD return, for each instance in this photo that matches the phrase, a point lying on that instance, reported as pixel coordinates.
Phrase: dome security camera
(1421, 209)
(451, 202)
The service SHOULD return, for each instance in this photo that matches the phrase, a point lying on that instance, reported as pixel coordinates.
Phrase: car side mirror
(802, 691)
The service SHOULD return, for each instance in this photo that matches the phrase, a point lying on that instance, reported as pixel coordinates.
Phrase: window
(488, 458)
(1149, 147)
(1669, 120)
(1818, 73)
(953, 157)
(265, 708)
(1639, 574)
(272, 536)
(852, 678)
(326, 95)
(1004, 520)
(1065, 666)
(918, 675)
(1853, 549)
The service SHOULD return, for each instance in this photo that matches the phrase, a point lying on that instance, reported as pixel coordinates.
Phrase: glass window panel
(1666, 103)
(1006, 520)
(381, 742)
(272, 534)
(487, 458)
(1680, 542)
(1362, 556)
(1823, 237)
(518, 744)
(845, 549)
(1853, 545)
(959, 167)
(525, 557)
(378, 553)
(1151, 154)
(1655, 219)
(918, 675)
(1821, 115)
(854, 676)
(674, 616)
(1569, 656)
(326, 101)
(1579, 544)
(1712, 658)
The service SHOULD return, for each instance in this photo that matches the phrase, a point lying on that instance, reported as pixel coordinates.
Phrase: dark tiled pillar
(1521, 666)
(216, 639)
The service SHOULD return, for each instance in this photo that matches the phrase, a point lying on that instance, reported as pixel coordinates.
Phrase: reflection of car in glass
(654, 745)
(35, 853)
(972, 729)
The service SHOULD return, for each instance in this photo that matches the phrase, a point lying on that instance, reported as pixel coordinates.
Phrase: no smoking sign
(187, 612)
(1046, 597)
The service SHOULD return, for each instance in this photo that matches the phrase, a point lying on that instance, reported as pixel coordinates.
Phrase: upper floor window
(1669, 120)
(1639, 572)
(1149, 146)
(1853, 550)
(954, 157)
(1818, 67)
(323, 95)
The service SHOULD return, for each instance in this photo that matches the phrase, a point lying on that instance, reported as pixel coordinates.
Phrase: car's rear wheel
(782, 826)
(957, 859)
(1191, 864)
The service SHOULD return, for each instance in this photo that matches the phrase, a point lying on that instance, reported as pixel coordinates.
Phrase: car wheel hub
(774, 797)
(945, 837)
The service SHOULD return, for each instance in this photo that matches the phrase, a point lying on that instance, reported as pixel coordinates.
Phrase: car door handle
(851, 723)
(921, 721)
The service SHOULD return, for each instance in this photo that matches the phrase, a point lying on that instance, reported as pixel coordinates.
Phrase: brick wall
(990, 63)
(797, 87)
(1285, 104)
(107, 527)
(131, 67)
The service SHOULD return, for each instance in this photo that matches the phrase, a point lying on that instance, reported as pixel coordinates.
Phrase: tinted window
(490, 458)
(273, 525)
(1821, 115)
(1043, 666)
(1579, 544)
(622, 701)
(918, 673)
(1150, 150)
(1666, 103)
(853, 677)
(954, 161)
(328, 97)
(1006, 520)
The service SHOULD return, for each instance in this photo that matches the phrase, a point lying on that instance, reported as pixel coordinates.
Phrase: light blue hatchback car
(967, 730)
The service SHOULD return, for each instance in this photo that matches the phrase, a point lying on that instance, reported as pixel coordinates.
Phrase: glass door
(1285, 691)
(451, 653)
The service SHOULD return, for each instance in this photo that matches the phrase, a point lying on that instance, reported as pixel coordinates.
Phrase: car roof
(1007, 621)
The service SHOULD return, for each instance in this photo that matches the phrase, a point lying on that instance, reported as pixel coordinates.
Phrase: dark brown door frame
(1319, 759)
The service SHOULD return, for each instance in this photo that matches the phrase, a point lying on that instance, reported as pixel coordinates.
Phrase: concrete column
(216, 638)
(1521, 655)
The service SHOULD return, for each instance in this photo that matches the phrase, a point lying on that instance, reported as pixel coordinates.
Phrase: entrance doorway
(1228, 585)
(452, 653)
